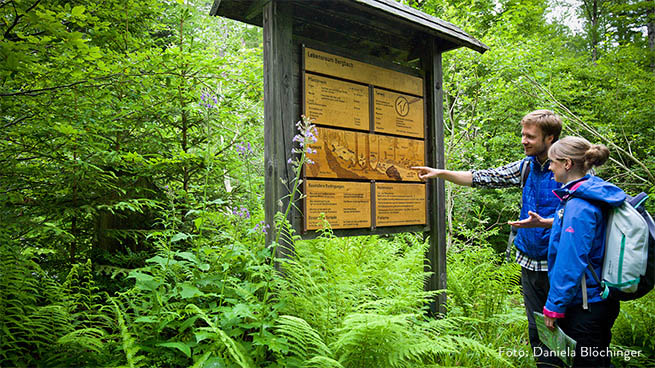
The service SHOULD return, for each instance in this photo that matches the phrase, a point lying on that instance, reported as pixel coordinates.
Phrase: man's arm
(457, 177)
(500, 177)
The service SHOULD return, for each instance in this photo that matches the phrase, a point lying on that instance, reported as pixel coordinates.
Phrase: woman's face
(559, 168)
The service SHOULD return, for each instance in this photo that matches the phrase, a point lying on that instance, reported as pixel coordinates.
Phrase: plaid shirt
(503, 177)
(529, 263)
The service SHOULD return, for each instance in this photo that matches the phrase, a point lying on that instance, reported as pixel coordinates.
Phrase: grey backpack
(629, 260)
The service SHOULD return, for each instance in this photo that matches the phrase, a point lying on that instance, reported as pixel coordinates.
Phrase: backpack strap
(525, 172)
(638, 200)
(585, 306)
(603, 295)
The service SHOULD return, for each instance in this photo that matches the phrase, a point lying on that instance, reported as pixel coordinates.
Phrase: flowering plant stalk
(307, 135)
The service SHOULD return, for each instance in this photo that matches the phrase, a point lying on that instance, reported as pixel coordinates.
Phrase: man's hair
(546, 120)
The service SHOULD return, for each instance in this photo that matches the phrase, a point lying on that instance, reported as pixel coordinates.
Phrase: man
(540, 129)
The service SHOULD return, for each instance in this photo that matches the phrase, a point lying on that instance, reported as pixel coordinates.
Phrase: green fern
(306, 347)
(234, 349)
(130, 347)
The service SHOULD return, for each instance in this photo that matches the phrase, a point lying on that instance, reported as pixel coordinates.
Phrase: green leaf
(78, 11)
(190, 291)
(147, 319)
(145, 281)
(204, 335)
(184, 347)
(179, 236)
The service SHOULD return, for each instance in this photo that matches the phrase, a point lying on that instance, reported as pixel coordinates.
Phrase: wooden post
(279, 122)
(436, 257)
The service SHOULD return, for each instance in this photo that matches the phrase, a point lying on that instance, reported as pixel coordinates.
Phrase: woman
(576, 240)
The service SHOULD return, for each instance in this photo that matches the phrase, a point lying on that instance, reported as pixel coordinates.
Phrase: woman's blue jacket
(577, 238)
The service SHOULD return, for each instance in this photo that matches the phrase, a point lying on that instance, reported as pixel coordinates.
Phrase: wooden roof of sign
(388, 22)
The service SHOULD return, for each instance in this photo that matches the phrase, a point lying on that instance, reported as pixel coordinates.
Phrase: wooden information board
(370, 130)
(399, 204)
(333, 102)
(345, 205)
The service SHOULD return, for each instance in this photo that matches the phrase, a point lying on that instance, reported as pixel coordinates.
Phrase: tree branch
(589, 129)
(17, 17)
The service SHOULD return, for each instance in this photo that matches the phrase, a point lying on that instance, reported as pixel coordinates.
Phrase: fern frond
(130, 347)
(322, 362)
(88, 338)
(304, 341)
(235, 350)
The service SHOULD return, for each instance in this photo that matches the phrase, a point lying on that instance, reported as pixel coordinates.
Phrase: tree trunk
(651, 32)
(592, 14)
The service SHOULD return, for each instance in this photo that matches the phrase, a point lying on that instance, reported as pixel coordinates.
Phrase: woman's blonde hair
(582, 153)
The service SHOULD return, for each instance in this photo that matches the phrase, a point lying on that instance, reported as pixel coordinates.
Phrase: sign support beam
(279, 118)
(436, 257)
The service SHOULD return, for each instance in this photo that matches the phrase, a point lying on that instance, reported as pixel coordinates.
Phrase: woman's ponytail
(596, 155)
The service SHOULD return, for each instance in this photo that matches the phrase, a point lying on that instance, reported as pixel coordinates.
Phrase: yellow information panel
(344, 154)
(371, 131)
(333, 102)
(398, 204)
(343, 204)
(399, 114)
(329, 64)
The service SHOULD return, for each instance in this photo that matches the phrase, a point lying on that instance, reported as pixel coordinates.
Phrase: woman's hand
(550, 322)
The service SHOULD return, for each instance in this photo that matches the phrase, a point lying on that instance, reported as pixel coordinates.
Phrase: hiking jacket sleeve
(572, 240)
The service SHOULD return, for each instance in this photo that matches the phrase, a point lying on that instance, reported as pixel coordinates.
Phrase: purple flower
(307, 134)
(261, 226)
(242, 212)
(244, 149)
(206, 100)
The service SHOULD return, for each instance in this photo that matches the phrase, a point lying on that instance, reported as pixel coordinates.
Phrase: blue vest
(537, 197)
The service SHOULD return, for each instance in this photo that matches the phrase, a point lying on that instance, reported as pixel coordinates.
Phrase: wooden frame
(384, 33)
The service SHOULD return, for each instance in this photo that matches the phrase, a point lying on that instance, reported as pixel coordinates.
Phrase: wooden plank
(436, 257)
(336, 103)
(345, 154)
(343, 204)
(397, 113)
(407, 16)
(391, 15)
(346, 68)
(387, 230)
(278, 117)
(399, 204)
(355, 31)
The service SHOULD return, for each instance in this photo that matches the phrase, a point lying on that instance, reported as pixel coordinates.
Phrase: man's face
(533, 141)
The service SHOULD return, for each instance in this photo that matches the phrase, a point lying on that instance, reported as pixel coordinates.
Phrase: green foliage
(107, 106)
(359, 302)
(480, 286)
(633, 330)
(45, 323)
(132, 136)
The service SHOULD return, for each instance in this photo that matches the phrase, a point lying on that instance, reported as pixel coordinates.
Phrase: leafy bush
(633, 330)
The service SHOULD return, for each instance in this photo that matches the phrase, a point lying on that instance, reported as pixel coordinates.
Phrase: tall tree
(101, 114)
(593, 11)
